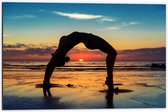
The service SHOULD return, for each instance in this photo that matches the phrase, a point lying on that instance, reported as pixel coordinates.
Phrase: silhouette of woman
(91, 42)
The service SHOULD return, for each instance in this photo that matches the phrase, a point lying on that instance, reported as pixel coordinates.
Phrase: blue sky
(122, 25)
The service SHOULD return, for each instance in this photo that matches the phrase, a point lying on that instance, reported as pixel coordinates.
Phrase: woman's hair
(66, 58)
(60, 61)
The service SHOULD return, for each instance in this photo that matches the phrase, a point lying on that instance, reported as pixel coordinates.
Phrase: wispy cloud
(81, 16)
(18, 45)
(23, 17)
(113, 28)
(104, 19)
(78, 15)
(6, 35)
(130, 23)
(124, 24)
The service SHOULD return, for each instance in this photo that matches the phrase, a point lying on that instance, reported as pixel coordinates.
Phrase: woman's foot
(109, 83)
(46, 84)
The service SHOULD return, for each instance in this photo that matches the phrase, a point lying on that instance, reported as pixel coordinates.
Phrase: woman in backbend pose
(91, 42)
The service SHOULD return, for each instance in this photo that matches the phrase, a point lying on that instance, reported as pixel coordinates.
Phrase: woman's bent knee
(113, 52)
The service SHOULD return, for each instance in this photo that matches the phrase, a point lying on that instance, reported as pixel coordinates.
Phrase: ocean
(83, 66)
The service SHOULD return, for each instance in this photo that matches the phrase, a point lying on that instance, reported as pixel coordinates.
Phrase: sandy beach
(83, 90)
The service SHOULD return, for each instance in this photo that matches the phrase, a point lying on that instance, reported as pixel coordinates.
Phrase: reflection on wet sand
(49, 98)
(110, 95)
(109, 99)
(83, 90)
(51, 101)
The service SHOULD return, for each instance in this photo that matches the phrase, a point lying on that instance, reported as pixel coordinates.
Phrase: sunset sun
(80, 60)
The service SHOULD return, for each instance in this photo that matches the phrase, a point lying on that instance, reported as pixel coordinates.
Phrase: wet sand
(86, 90)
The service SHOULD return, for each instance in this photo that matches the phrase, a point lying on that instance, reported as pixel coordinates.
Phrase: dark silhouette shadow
(91, 42)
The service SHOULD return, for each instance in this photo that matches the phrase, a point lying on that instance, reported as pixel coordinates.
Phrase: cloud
(21, 51)
(145, 54)
(113, 28)
(78, 15)
(42, 52)
(23, 17)
(6, 35)
(134, 23)
(124, 24)
(18, 45)
(39, 51)
(104, 19)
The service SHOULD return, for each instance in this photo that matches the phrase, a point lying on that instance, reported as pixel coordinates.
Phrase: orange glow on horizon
(86, 56)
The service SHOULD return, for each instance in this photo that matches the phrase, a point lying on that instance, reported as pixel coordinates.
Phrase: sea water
(82, 66)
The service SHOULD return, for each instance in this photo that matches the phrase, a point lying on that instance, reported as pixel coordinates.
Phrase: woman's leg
(99, 43)
(110, 60)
